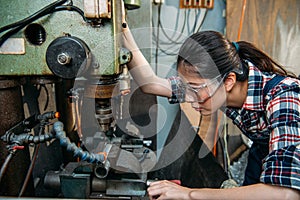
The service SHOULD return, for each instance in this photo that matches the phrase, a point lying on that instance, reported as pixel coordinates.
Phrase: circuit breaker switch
(187, 2)
(96, 9)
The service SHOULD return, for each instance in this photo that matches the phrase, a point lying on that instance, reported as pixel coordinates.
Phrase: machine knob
(68, 57)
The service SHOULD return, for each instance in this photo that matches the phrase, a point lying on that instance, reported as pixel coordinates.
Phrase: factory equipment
(119, 167)
(75, 46)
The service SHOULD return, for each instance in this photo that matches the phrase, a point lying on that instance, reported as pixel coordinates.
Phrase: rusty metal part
(66, 109)
(104, 115)
(11, 112)
(102, 91)
(97, 9)
(42, 80)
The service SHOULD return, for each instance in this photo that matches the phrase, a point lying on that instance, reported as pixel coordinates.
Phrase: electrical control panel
(186, 4)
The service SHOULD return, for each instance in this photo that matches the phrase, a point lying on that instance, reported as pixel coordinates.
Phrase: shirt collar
(256, 82)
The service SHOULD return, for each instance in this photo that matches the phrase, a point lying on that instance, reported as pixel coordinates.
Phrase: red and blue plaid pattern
(273, 118)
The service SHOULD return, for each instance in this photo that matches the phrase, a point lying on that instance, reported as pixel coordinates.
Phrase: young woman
(214, 73)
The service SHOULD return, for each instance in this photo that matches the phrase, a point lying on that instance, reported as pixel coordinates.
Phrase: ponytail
(261, 60)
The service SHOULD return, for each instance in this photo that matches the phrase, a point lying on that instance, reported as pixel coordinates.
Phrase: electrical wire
(72, 8)
(16, 27)
(201, 23)
(5, 165)
(173, 41)
(32, 164)
(43, 86)
(33, 17)
(197, 13)
(181, 37)
(157, 44)
(174, 53)
(29, 172)
(54, 7)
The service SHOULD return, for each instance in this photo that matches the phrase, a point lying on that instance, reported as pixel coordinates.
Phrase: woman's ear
(230, 81)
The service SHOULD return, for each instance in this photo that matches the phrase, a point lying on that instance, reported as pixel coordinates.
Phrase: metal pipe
(5, 165)
(101, 170)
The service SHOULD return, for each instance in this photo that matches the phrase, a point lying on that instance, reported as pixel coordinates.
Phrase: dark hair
(212, 54)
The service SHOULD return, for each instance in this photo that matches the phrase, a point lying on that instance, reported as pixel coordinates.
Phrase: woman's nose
(195, 104)
(191, 98)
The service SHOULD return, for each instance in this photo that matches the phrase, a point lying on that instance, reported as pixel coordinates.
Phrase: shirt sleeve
(282, 165)
(178, 93)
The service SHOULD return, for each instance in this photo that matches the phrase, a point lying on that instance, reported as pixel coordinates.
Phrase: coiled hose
(60, 134)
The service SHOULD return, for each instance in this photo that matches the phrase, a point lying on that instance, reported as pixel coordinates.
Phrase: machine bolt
(63, 59)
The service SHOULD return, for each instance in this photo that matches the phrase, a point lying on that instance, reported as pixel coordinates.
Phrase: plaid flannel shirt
(275, 118)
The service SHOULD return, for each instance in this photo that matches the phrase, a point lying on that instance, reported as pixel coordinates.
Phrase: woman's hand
(167, 190)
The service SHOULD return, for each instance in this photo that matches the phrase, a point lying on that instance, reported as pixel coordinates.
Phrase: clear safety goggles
(200, 93)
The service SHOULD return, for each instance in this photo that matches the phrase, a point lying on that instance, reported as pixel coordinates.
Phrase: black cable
(46, 10)
(172, 41)
(54, 7)
(33, 17)
(43, 86)
(72, 8)
(157, 39)
(170, 38)
(168, 53)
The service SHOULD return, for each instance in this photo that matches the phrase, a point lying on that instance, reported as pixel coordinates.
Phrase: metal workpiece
(101, 170)
(122, 172)
(77, 181)
(104, 116)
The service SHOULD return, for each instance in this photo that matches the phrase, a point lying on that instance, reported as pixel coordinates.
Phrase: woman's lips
(198, 109)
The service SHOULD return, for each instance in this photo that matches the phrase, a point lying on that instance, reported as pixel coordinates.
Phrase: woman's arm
(168, 190)
(140, 69)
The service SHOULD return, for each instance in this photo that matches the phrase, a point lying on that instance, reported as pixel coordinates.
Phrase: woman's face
(205, 95)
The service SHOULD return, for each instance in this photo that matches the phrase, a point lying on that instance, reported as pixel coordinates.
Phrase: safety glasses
(200, 93)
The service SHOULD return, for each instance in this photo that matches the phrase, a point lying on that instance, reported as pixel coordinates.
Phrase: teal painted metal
(100, 40)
